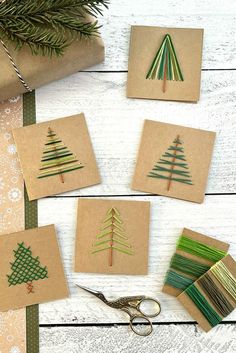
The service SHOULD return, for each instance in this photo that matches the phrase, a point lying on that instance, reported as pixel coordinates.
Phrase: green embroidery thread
(57, 159)
(202, 304)
(172, 167)
(177, 280)
(225, 277)
(199, 249)
(217, 298)
(165, 65)
(26, 268)
(112, 236)
(188, 266)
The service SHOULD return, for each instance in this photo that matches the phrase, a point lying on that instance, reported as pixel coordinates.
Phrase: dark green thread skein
(176, 280)
(202, 304)
(188, 266)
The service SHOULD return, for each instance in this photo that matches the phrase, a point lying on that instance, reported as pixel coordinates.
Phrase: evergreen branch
(39, 40)
(48, 26)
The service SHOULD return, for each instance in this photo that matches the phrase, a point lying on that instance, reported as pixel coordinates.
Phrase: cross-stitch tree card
(165, 63)
(56, 156)
(31, 268)
(112, 237)
(174, 161)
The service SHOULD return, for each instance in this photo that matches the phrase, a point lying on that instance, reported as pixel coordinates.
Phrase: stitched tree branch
(26, 268)
(173, 166)
(165, 65)
(112, 236)
(57, 159)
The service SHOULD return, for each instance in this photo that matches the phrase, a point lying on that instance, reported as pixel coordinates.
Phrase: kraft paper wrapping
(13, 322)
(38, 70)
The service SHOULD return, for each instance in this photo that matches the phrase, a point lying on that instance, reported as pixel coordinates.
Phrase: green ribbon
(31, 221)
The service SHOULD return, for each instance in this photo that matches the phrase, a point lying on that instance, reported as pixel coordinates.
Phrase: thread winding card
(174, 161)
(56, 156)
(165, 63)
(31, 268)
(112, 237)
(195, 253)
(212, 297)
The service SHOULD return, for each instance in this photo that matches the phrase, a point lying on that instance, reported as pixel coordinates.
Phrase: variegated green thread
(217, 298)
(199, 249)
(202, 304)
(177, 280)
(188, 266)
(31, 221)
(225, 277)
(172, 166)
(57, 159)
(112, 236)
(165, 63)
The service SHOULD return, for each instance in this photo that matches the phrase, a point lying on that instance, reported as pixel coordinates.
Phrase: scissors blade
(91, 291)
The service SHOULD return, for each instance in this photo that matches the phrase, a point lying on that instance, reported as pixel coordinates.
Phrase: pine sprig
(48, 26)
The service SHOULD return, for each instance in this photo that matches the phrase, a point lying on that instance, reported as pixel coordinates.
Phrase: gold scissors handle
(137, 327)
(139, 316)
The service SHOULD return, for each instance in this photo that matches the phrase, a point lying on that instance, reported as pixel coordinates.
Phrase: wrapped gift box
(40, 70)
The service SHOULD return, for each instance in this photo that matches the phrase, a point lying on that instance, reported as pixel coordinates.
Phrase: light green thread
(114, 233)
(200, 249)
(225, 277)
(165, 63)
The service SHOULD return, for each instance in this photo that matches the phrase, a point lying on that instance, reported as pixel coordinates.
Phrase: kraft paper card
(165, 63)
(174, 161)
(56, 156)
(216, 291)
(187, 265)
(31, 268)
(112, 237)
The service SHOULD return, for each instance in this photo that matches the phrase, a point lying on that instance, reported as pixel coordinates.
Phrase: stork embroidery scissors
(132, 305)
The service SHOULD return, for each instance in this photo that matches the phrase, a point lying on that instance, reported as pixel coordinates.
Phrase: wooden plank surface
(216, 217)
(115, 125)
(165, 339)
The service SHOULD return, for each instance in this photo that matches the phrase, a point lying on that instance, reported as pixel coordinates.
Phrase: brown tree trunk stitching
(165, 73)
(55, 150)
(30, 287)
(172, 167)
(111, 242)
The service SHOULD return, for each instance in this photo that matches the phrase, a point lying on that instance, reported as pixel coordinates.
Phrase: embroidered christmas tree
(57, 159)
(173, 166)
(112, 236)
(26, 268)
(165, 65)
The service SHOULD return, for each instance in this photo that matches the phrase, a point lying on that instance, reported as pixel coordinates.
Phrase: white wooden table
(81, 323)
